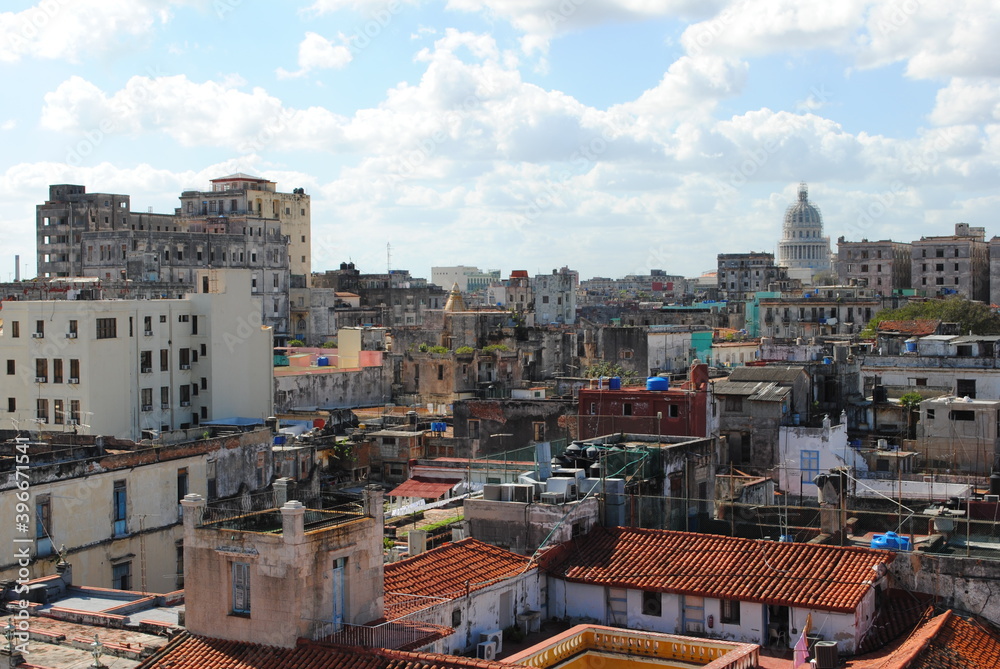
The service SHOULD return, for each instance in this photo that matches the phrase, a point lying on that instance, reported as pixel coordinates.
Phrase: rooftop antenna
(388, 258)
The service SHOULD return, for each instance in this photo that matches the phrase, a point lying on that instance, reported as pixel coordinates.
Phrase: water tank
(827, 360)
(657, 383)
(322, 361)
(615, 383)
(911, 345)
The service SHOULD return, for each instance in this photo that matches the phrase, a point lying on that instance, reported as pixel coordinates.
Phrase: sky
(609, 136)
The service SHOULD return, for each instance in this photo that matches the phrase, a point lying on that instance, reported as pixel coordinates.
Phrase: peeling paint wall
(966, 584)
(367, 386)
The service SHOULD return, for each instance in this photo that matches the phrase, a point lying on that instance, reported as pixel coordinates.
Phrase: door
(694, 615)
(506, 617)
(337, 579)
(617, 607)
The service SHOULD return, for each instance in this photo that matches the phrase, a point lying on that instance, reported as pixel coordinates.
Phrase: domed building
(803, 249)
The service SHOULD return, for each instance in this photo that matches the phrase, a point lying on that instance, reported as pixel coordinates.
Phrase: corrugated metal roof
(771, 393)
(724, 387)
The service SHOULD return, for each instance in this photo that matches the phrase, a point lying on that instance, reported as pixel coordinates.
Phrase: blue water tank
(615, 383)
(827, 360)
(890, 541)
(322, 361)
(279, 439)
(911, 345)
(657, 383)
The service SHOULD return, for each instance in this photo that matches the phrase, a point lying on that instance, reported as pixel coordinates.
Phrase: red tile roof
(921, 327)
(425, 487)
(447, 572)
(813, 576)
(945, 641)
(193, 652)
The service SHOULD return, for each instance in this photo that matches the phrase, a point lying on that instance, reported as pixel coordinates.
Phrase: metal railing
(406, 633)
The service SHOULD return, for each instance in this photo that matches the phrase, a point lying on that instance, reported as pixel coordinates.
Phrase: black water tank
(995, 483)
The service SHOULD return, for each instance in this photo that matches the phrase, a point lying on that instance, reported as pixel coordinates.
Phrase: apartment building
(134, 369)
(242, 222)
(953, 264)
(882, 265)
(555, 298)
(741, 274)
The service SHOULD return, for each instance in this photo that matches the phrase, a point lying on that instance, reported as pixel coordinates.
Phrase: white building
(469, 279)
(803, 249)
(135, 368)
(747, 590)
(805, 452)
(555, 298)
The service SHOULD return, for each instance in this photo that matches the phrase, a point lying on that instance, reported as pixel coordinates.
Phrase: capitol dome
(803, 248)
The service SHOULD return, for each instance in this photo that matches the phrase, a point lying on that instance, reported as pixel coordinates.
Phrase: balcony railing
(260, 513)
(402, 634)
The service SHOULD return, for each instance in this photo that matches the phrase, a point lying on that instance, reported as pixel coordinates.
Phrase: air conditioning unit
(148, 333)
(37, 335)
(146, 370)
(70, 335)
(40, 379)
(43, 419)
(164, 405)
(486, 651)
(827, 655)
(521, 493)
(74, 379)
(495, 637)
(695, 627)
(147, 407)
(552, 498)
(185, 404)
(185, 366)
(72, 421)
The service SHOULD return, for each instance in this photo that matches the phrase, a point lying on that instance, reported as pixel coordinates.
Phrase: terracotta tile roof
(442, 573)
(813, 576)
(425, 487)
(945, 641)
(922, 327)
(899, 615)
(193, 652)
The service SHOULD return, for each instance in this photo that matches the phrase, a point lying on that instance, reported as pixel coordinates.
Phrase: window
(164, 359)
(194, 325)
(145, 362)
(184, 356)
(118, 508)
(146, 399)
(185, 395)
(966, 388)
(11, 404)
(734, 403)
(43, 517)
(147, 324)
(15, 329)
(810, 466)
(182, 483)
(41, 370)
(164, 397)
(74, 370)
(74, 411)
(962, 415)
(538, 431)
(40, 328)
(456, 617)
(652, 603)
(440, 372)
(473, 429)
(107, 328)
(673, 411)
(627, 409)
(10, 366)
(42, 410)
(58, 415)
(121, 576)
(73, 328)
(930, 414)
(241, 588)
(729, 612)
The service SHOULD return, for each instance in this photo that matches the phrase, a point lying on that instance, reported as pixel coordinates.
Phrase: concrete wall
(971, 585)
(522, 528)
(368, 386)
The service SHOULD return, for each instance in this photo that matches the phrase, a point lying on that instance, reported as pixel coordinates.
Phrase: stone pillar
(194, 508)
(281, 487)
(373, 497)
(293, 522)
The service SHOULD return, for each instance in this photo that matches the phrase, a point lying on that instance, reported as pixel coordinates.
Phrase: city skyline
(610, 136)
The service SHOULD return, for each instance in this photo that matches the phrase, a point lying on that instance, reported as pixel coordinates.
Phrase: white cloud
(318, 53)
(68, 29)
(967, 101)
(9, 124)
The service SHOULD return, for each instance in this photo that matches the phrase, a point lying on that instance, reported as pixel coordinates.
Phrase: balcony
(260, 513)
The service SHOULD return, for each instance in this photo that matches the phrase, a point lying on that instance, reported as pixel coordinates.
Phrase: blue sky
(612, 136)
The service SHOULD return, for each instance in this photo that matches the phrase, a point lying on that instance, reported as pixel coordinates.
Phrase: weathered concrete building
(493, 426)
(882, 265)
(959, 433)
(113, 504)
(740, 274)
(953, 264)
(555, 298)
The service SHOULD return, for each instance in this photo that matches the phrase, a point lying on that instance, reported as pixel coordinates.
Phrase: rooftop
(914, 328)
(812, 576)
(447, 572)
